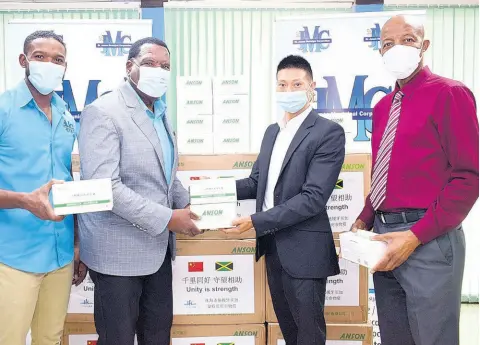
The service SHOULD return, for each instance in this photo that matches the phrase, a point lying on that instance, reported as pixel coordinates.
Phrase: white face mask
(401, 61)
(153, 81)
(45, 76)
(292, 102)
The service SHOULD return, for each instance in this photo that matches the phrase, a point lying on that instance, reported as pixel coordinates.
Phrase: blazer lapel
(264, 167)
(166, 122)
(143, 121)
(301, 134)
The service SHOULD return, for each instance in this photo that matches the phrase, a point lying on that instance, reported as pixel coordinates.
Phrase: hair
(295, 61)
(136, 47)
(42, 34)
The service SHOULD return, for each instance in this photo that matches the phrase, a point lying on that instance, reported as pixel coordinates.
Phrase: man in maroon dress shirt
(424, 182)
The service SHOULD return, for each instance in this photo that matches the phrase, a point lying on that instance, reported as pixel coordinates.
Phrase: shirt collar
(159, 106)
(296, 121)
(421, 76)
(24, 97)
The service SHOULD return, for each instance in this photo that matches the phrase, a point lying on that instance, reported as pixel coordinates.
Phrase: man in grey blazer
(125, 136)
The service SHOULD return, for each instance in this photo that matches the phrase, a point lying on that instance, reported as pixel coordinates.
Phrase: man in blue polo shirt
(36, 247)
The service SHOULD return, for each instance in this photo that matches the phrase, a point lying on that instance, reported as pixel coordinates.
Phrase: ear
(22, 59)
(129, 66)
(426, 45)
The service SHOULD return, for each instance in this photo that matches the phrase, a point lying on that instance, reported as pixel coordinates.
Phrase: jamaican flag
(339, 184)
(224, 266)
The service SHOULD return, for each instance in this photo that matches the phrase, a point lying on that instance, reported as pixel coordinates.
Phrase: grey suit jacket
(117, 140)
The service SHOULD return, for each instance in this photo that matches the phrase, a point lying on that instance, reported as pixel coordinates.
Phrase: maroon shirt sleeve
(456, 119)
(368, 213)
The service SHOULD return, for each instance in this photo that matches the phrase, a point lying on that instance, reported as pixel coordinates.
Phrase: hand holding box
(359, 247)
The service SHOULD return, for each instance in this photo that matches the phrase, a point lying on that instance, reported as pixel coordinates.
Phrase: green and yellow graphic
(224, 266)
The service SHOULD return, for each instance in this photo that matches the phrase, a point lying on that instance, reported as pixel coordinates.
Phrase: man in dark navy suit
(296, 171)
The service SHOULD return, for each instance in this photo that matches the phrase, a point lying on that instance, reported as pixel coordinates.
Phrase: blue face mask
(292, 102)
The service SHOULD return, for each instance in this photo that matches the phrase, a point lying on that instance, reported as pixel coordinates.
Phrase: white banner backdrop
(343, 50)
(97, 51)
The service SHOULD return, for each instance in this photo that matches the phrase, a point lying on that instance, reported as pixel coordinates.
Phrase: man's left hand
(400, 245)
(79, 269)
(241, 225)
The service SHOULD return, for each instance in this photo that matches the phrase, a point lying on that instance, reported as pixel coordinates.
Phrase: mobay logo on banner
(373, 37)
(314, 42)
(359, 107)
(115, 46)
(68, 96)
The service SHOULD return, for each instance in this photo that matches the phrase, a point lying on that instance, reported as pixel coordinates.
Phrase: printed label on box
(81, 297)
(346, 201)
(373, 318)
(213, 285)
(342, 290)
(227, 340)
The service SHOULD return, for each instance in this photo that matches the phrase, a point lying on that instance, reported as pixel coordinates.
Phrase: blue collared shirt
(158, 118)
(32, 152)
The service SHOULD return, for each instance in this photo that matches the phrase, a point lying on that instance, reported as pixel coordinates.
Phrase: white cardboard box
(215, 216)
(195, 143)
(231, 142)
(188, 86)
(231, 85)
(197, 104)
(213, 191)
(231, 124)
(82, 196)
(358, 247)
(215, 201)
(232, 105)
(195, 123)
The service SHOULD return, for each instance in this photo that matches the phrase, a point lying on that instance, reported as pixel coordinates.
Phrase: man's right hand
(358, 225)
(38, 203)
(181, 222)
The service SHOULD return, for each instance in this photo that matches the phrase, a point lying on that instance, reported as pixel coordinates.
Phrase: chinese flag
(195, 267)
(92, 342)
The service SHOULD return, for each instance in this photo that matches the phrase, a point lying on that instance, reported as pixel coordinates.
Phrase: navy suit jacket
(298, 222)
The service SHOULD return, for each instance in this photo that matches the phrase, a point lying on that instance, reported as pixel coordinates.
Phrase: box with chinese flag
(346, 298)
(81, 333)
(218, 282)
(218, 335)
(336, 335)
(192, 168)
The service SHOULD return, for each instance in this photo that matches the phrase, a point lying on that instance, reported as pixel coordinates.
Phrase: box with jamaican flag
(218, 335)
(218, 282)
(348, 197)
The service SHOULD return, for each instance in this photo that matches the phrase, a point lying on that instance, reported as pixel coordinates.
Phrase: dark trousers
(418, 303)
(128, 305)
(298, 303)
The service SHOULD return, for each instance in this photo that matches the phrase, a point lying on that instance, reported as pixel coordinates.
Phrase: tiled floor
(470, 324)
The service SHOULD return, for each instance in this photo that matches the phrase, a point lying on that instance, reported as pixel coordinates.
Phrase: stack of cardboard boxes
(213, 115)
(218, 287)
(220, 291)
